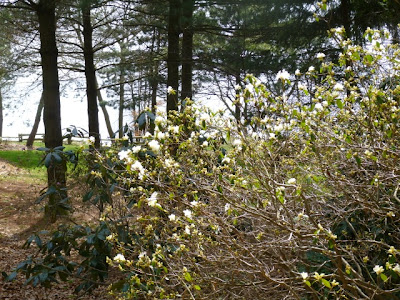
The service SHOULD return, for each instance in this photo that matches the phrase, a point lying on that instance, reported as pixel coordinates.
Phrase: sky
(20, 109)
(21, 101)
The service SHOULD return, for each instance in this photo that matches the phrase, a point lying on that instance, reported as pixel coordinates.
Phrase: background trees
(197, 47)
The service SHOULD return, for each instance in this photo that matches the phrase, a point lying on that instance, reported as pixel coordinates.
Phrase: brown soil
(19, 218)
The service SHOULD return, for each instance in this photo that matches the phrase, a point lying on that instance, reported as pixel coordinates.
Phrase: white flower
(152, 201)
(302, 87)
(194, 203)
(174, 129)
(378, 269)
(278, 128)
(250, 88)
(297, 72)
(160, 135)
(119, 258)
(238, 87)
(170, 90)
(92, 139)
(318, 107)
(392, 250)
(280, 189)
(205, 118)
(291, 181)
(124, 154)
(187, 213)
(338, 87)
(226, 160)
(205, 144)
(169, 163)
(338, 30)
(304, 275)
(396, 268)
(172, 217)
(318, 276)
(159, 120)
(325, 103)
(136, 149)
(187, 229)
(154, 145)
(237, 142)
(227, 207)
(271, 136)
(320, 55)
(282, 75)
(311, 69)
(148, 134)
(137, 166)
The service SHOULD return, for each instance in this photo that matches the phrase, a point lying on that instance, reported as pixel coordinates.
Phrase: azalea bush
(299, 202)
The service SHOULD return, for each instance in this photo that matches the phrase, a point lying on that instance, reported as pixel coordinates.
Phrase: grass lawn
(29, 159)
(23, 159)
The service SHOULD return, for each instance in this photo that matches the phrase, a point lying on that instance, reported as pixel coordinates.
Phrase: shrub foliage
(300, 202)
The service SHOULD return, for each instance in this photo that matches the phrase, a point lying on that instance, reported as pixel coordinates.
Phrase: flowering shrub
(301, 202)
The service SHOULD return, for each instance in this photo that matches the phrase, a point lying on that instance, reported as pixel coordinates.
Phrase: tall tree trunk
(103, 107)
(121, 91)
(91, 89)
(121, 104)
(173, 54)
(346, 18)
(31, 138)
(51, 98)
(187, 49)
(154, 79)
(237, 100)
(1, 114)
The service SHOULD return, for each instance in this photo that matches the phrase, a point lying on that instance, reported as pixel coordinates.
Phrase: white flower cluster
(154, 146)
(283, 75)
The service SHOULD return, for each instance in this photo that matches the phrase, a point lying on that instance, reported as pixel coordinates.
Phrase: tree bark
(1, 114)
(237, 100)
(121, 92)
(31, 138)
(91, 88)
(173, 54)
(103, 107)
(45, 10)
(121, 104)
(49, 55)
(187, 49)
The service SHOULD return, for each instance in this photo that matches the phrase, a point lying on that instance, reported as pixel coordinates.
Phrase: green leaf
(47, 160)
(196, 287)
(384, 277)
(326, 283)
(57, 157)
(12, 276)
(307, 283)
(358, 160)
(339, 103)
(188, 277)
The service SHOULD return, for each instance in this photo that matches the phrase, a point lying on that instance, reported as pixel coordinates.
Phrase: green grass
(29, 160)
(23, 159)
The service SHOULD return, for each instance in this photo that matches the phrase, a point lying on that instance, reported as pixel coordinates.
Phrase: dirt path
(19, 218)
